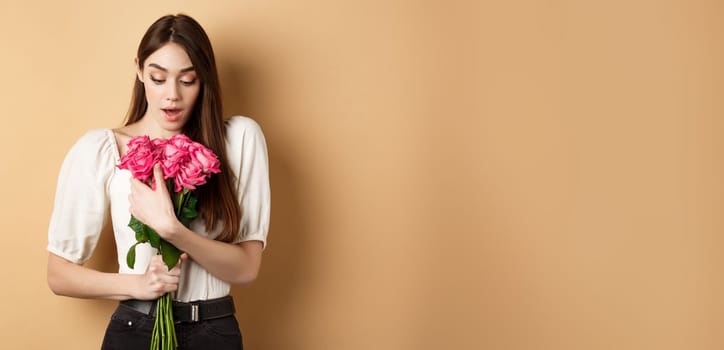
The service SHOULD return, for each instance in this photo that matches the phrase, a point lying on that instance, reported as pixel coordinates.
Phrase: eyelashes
(183, 82)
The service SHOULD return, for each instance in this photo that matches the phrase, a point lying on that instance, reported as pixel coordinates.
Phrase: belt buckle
(194, 312)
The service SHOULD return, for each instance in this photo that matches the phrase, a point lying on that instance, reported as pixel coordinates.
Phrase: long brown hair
(217, 198)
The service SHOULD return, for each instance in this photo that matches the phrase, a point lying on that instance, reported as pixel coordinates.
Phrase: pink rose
(172, 156)
(140, 158)
(189, 163)
(180, 140)
(158, 145)
(204, 158)
(189, 176)
(139, 142)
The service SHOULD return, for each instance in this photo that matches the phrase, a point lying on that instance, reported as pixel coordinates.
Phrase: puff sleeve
(247, 153)
(81, 198)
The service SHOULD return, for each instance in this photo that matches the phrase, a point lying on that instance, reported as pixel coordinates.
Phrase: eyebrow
(187, 69)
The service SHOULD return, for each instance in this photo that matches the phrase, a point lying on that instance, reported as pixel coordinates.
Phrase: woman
(176, 91)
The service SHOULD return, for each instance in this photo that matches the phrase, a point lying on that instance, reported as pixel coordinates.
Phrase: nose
(172, 93)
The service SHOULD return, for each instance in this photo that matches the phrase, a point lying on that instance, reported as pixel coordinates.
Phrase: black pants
(131, 330)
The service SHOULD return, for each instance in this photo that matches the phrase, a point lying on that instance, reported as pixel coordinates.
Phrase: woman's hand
(158, 279)
(153, 207)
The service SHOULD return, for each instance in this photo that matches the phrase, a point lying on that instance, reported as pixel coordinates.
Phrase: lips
(172, 114)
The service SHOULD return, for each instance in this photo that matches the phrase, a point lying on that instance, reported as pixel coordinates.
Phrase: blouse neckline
(116, 152)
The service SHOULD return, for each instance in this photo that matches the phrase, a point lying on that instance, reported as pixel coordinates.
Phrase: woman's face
(171, 87)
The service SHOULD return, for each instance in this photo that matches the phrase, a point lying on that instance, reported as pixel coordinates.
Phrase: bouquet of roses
(185, 164)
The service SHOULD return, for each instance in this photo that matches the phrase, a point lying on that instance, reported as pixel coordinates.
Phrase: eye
(188, 82)
(157, 81)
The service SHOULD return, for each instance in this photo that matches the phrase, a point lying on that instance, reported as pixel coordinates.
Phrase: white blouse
(90, 184)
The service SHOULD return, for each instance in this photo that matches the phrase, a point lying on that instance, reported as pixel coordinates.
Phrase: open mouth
(172, 114)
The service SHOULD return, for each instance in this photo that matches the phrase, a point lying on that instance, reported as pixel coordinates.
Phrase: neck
(147, 126)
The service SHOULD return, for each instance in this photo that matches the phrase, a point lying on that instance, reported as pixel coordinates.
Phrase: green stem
(179, 203)
(164, 333)
(182, 200)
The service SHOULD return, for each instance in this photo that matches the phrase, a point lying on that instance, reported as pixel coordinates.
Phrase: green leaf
(134, 224)
(191, 202)
(169, 253)
(153, 237)
(141, 236)
(131, 256)
(189, 213)
(137, 227)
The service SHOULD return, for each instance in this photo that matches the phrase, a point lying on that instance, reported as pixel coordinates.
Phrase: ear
(139, 71)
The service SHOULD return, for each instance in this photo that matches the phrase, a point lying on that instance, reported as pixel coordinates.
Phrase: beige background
(445, 174)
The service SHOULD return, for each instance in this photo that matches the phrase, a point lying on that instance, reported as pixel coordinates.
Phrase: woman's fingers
(160, 279)
(160, 184)
(153, 207)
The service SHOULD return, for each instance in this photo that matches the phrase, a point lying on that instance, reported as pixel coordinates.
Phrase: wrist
(133, 286)
(170, 230)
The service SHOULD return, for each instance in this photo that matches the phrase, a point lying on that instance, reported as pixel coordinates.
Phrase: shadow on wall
(264, 310)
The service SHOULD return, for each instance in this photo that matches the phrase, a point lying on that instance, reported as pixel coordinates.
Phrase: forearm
(234, 263)
(69, 279)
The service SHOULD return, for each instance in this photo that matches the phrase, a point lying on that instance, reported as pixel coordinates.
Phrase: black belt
(188, 312)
